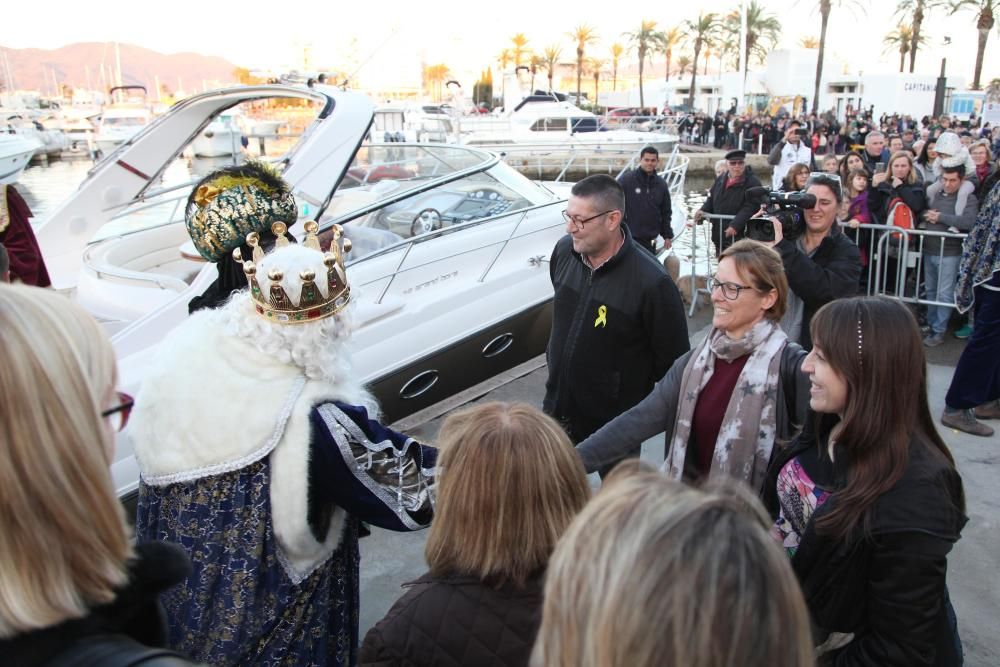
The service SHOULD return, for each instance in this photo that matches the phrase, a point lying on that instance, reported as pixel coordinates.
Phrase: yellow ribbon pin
(205, 194)
(602, 317)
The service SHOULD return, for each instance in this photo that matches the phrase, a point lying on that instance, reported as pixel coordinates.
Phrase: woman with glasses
(866, 501)
(74, 588)
(725, 404)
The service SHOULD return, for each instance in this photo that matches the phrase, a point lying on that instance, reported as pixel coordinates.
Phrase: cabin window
(549, 125)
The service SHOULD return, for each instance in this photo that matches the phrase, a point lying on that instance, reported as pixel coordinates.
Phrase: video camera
(786, 207)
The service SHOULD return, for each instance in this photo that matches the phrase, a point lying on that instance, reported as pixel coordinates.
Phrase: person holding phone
(791, 150)
(875, 155)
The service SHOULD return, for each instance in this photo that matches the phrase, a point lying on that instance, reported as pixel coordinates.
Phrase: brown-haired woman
(509, 485)
(73, 588)
(724, 404)
(852, 160)
(656, 573)
(796, 178)
(867, 501)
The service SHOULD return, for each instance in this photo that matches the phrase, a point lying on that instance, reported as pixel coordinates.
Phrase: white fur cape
(211, 403)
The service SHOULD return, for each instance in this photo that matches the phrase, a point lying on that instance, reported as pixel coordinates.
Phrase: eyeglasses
(120, 413)
(729, 290)
(578, 223)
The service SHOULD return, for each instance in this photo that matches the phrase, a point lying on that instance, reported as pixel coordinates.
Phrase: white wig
(320, 348)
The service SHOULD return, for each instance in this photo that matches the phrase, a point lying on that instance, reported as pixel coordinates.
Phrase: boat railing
(662, 124)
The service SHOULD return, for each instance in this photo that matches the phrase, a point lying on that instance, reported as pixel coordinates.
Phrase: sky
(388, 40)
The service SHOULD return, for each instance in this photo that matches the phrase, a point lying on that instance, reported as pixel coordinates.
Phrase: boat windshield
(398, 191)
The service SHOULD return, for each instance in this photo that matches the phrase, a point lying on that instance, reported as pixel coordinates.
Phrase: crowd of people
(824, 133)
(803, 514)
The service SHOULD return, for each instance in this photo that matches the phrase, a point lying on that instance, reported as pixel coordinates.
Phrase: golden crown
(276, 306)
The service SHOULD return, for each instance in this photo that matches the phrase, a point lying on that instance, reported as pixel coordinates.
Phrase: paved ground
(390, 559)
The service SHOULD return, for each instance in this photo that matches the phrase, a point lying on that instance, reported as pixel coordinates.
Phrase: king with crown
(257, 448)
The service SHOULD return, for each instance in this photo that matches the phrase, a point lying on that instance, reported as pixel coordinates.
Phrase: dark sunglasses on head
(120, 413)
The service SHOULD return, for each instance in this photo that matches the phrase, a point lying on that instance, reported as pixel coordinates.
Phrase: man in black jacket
(728, 197)
(821, 265)
(617, 323)
(647, 202)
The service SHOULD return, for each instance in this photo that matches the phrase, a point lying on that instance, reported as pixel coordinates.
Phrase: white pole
(743, 54)
(118, 62)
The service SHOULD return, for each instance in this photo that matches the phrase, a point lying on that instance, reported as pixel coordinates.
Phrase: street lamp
(941, 82)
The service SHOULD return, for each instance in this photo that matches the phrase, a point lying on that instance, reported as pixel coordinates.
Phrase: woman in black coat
(510, 484)
(897, 197)
(867, 501)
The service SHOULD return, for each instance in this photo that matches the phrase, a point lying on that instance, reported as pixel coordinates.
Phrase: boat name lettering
(431, 283)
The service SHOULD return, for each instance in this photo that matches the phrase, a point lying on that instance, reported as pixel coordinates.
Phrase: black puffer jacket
(134, 616)
(887, 589)
(456, 622)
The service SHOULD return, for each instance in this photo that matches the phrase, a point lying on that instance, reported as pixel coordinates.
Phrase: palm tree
(985, 10)
(825, 6)
(550, 58)
(682, 64)
(617, 51)
(899, 40)
(594, 66)
(434, 76)
(698, 32)
(504, 59)
(520, 49)
(646, 38)
(671, 38)
(584, 35)
(763, 30)
(536, 63)
(915, 10)
(809, 43)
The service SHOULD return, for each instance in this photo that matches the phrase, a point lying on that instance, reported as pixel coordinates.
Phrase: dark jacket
(831, 273)
(871, 162)
(601, 366)
(732, 200)
(456, 621)
(887, 589)
(658, 411)
(647, 205)
(135, 614)
(913, 195)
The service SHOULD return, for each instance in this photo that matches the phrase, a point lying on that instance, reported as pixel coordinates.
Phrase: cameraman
(792, 150)
(822, 264)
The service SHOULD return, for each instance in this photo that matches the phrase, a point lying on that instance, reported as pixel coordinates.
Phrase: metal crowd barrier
(895, 258)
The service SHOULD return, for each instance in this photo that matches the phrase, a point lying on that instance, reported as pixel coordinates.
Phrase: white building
(790, 76)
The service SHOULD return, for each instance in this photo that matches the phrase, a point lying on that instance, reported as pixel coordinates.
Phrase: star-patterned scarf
(746, 437)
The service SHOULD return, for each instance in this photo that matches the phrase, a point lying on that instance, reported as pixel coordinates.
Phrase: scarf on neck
(980, 250)
(746, 437)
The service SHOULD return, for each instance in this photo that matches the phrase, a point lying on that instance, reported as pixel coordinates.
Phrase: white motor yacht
(16, 152)
(121, 121)
(543, 126)
(222, 137)
(448, 266)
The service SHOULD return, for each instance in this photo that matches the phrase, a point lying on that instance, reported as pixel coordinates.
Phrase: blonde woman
(71, 586)
(655, 573)
(509, 486)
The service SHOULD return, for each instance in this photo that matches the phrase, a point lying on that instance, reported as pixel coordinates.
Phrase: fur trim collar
(211, 403)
